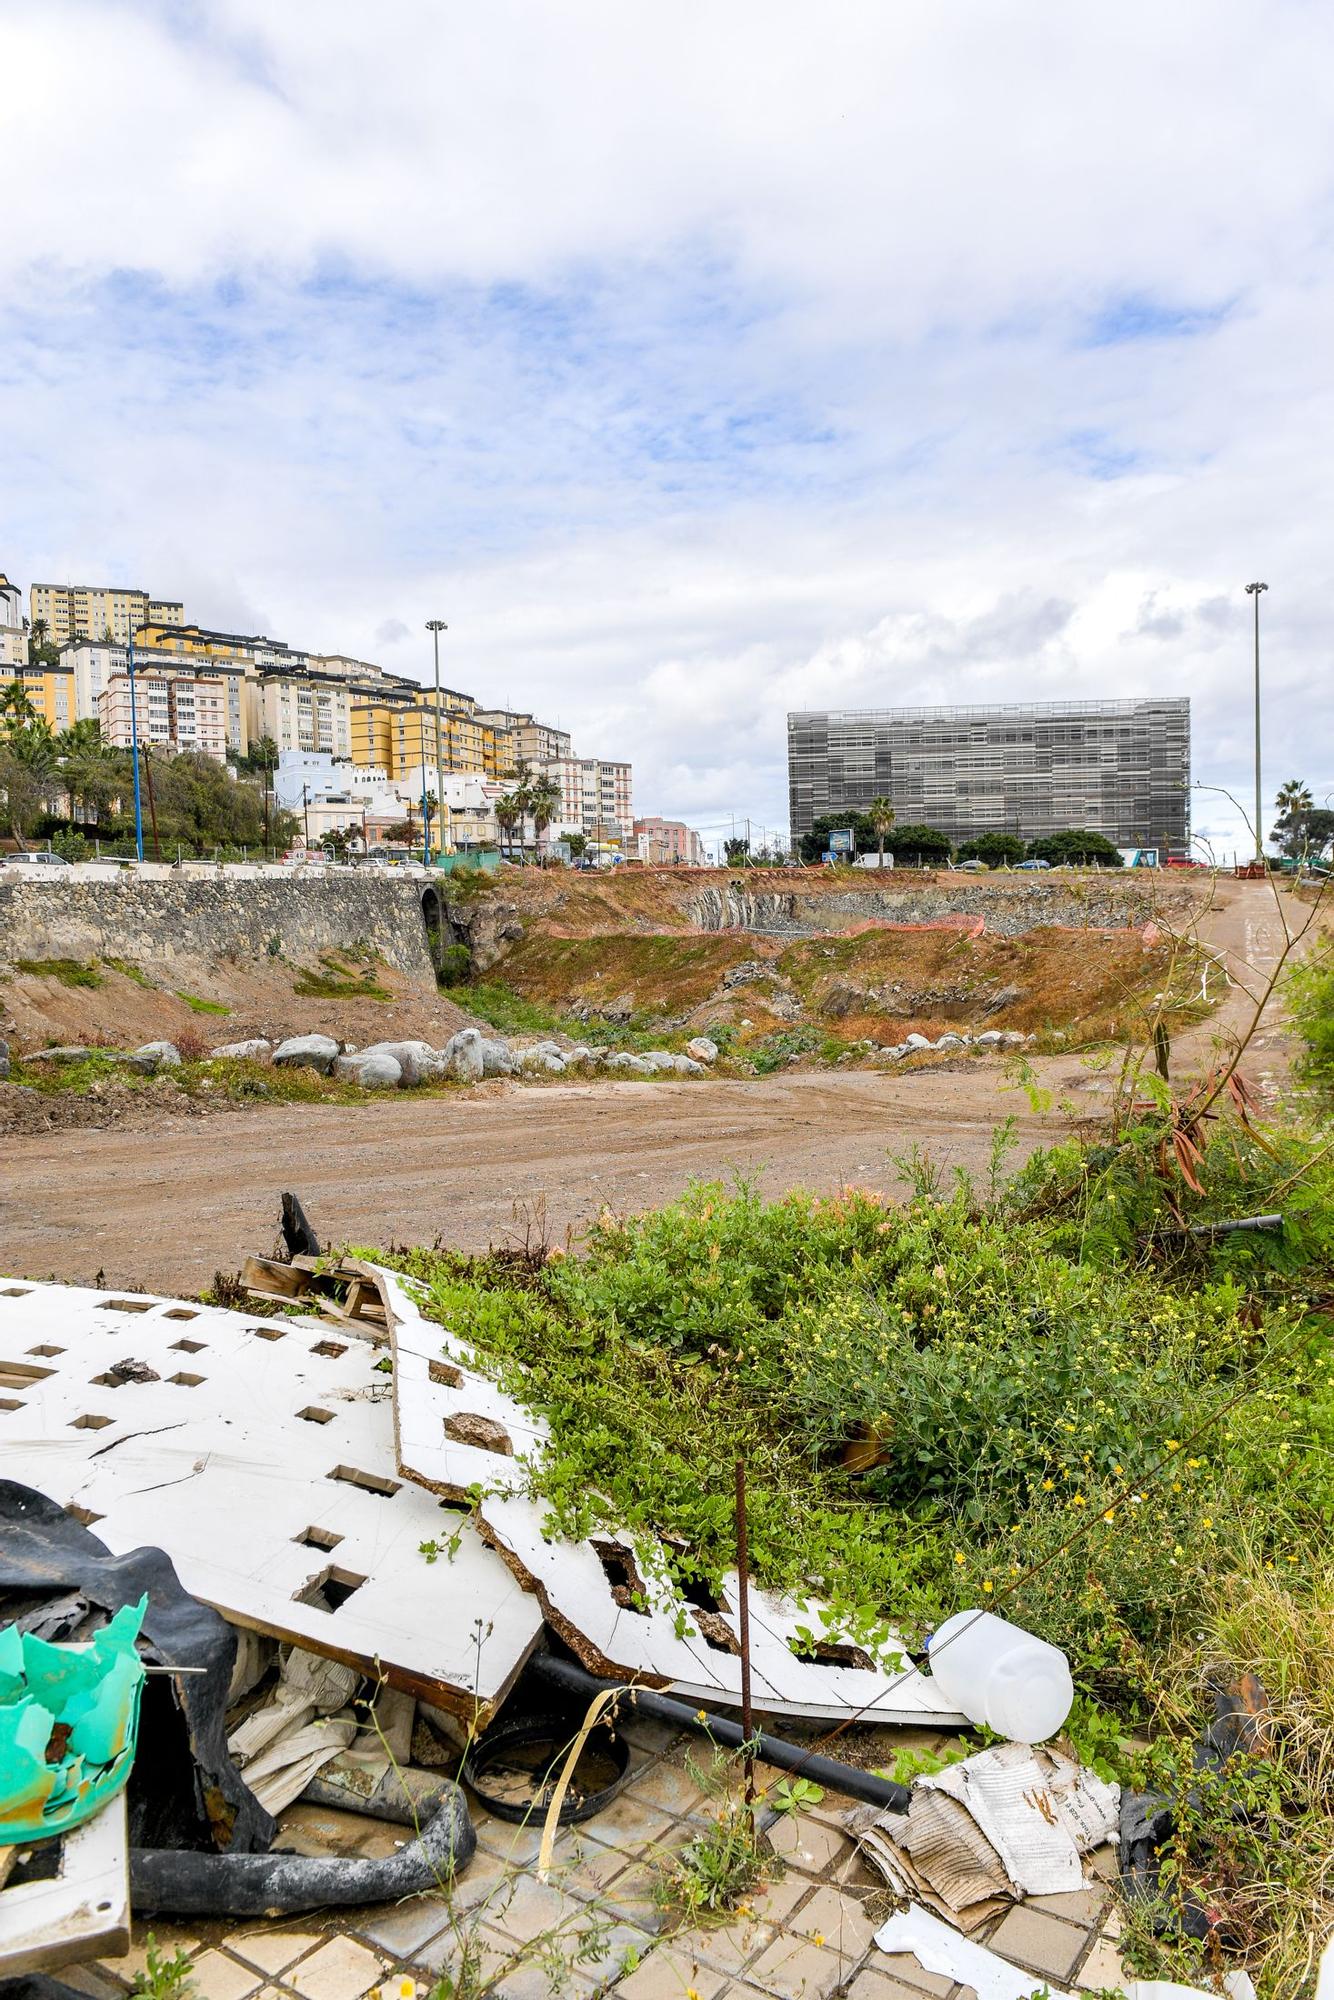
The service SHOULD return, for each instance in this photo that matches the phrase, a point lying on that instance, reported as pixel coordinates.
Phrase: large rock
(464, 1057)
(418, 1062)
(666, 1062)
(626, 1064)
(318, 1052)
(544, 1059)
(72, 1052)
(952, 1041)
(257, 1049)
(4, 1058)
(916, 1041)
(990, 1038)
(373, 1069)
(702, 1049)
(498, 1058)
(154, 1056)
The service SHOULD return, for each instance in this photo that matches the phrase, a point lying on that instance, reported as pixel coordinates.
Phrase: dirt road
(166, 1208)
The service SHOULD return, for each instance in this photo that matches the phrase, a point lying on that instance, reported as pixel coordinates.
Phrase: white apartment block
(302, 711)
(597, 799)
(172, 711)
(91, 611)
(13, 633)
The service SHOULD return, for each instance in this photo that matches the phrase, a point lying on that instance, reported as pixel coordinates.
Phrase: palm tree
(94, 771)
(16, 710)
(544, 802)
(1293, 798)
(510, 808)
(881, 815)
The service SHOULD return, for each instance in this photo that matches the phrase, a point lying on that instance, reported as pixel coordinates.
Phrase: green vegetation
(710, 1878)
(163, 1977)
(453, 965)
(198, 1006)
(1076, 848)
(128, 971)
(1310, 996)
(1046, 1397)
(339, 977)
(512, 1013)
(69, 971)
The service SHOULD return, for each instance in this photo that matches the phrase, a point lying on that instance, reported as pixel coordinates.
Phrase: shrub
(454, 965)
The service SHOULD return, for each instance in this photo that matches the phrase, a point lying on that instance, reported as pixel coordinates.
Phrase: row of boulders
(990, 1038)
(466, 1057)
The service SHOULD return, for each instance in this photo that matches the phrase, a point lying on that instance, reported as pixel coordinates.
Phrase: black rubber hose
(182, 1883)
(826, 1771)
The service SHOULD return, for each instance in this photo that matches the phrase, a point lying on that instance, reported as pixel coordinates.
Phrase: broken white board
(80, 1912)
(259, 1453)
(939, 1949)
(457, 1431)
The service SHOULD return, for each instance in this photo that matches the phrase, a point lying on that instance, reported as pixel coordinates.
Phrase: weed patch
(128, 971)
(69, 971)
(339, 986)
(198, 1006)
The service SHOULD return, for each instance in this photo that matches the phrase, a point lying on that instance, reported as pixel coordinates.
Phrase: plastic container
(996, 1674)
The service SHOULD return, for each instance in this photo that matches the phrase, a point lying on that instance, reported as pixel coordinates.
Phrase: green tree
(1300, 830)
(737, 851)
(922, 845)
(29, 771)
(578, 845)
(998, 850)
(41, 652)
(880, 816)
(1076, 847)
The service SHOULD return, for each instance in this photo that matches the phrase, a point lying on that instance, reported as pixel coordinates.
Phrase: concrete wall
(231, 914)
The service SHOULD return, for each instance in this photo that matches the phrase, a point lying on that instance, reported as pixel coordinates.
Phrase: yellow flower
(986, 1587)
(701, 1715)
(692, 1993)
(1110, 1515)
(1174, 1444)
(1047, 1485)
(817, 1937)
(1078, 1500)
(958, 1558)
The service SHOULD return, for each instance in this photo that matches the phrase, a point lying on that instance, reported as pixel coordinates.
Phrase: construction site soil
(159, 1198)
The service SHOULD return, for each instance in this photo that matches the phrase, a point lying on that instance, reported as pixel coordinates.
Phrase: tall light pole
(134, 752)
(1254, 590)
(435, 626)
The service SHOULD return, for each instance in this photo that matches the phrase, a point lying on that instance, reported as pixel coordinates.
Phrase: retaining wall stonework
(199, 919)
(1008, 909)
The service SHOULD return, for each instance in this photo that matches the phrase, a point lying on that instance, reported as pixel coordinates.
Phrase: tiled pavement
(808, 1936)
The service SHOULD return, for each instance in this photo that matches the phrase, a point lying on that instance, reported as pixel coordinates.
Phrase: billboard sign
(840, 840)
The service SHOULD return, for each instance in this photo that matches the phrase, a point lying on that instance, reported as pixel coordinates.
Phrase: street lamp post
(1254, 590)
(134, 752)
(435, 626)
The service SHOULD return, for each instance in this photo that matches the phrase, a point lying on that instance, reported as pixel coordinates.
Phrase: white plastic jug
(993, 1672)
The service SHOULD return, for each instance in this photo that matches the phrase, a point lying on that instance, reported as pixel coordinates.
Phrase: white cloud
(694, 362)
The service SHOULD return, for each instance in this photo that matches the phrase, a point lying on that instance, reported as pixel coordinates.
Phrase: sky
(696, 362)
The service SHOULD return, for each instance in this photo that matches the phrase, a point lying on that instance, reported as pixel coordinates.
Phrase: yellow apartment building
(49, 689)
(91, 611)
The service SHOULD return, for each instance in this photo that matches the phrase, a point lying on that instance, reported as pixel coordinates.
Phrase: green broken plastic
(69, 1721)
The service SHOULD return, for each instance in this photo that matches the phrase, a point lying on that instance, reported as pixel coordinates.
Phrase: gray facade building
(1121, 768)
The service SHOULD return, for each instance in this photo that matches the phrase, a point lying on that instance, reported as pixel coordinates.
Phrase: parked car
(39, 859)
(974, 867)
(1032, 864)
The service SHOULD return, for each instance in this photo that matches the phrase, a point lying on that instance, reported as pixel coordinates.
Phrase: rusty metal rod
(743, 1593)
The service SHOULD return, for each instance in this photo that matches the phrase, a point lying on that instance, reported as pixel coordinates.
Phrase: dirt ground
(167, 1208)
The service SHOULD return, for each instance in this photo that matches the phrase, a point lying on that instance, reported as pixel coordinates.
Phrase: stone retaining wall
(1009, 909)
(201, 918)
